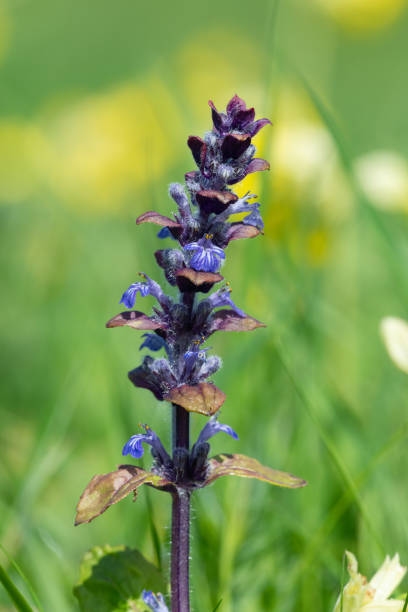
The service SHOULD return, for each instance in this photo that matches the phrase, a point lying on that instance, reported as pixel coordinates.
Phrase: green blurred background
(97, 101)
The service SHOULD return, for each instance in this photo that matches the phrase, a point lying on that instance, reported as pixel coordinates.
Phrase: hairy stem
(180, 527)
(180, 523)
(180, 551)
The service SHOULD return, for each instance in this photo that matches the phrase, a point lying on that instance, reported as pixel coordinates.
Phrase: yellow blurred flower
(395, 335)
(364, 15)
(360, 595)
(23, 154)
(229, 62)
(304, 159)
(383, 176)
(107, 146)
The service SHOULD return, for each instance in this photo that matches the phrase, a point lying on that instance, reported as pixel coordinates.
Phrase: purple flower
(129, 297)
(222, 298)
(165, 233)
(153, 342)
(192, 356)
(213, 427)
(207, 257)
(155, 602)
(134, 445)
(240, 205)
(237, 118)
(149, 287)
(156, 375)
(254, 218)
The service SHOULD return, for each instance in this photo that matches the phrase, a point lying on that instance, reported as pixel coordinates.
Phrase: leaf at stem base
(112, 578)
(104, 490)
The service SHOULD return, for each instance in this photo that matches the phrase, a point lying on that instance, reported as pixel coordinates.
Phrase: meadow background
(97, 101)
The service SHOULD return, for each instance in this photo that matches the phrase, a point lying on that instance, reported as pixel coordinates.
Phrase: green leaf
(240, 465)
(204, 398)
(113, 578)
(104, 490)
(16, 596)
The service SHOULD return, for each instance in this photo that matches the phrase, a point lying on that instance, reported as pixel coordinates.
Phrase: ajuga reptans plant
(201, 229)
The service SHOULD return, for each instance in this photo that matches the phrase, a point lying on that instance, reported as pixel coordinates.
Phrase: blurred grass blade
(218, 605)
(19, 600)
(304, 395)
(347, 162)
(404, 609)
(23, 577)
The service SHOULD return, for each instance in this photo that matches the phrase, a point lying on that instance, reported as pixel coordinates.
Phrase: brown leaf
(135, 319)
(153, 217)
(192, 280)
(227, 320)
(241, 465)
(241, 230)
(198, 149)
(234, 145)
(204, 398)
(104, 490)
(257, 165)
(211, 201)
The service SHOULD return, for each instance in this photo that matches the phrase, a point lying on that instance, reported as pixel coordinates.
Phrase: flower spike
(202, 226)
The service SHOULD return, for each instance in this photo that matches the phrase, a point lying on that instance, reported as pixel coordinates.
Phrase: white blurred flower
(305, 157)
(383, 176)
(303, 148)
(362, 596)
(395, 335)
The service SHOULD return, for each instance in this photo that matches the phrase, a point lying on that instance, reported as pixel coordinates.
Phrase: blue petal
(153, 342)
(213, 427)
(165, 233)
(255, 219)
(134, 446)
(239, 312)
(155, 603)
(129, 297)
(228, 430)
(192, 246)
(222, 298)
(148, 597)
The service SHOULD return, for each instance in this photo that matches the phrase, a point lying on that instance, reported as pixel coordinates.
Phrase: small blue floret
(153, 342)
(207, 257)
(222, 298)
(134, 446)
(165, 233)
(213, 427)
(129, 297)
(155, 602)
